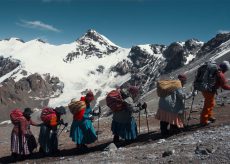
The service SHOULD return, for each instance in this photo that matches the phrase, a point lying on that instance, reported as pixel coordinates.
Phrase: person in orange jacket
(209, 97)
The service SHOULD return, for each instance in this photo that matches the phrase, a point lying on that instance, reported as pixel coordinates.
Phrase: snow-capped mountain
(37, 74)
(90, 70)
(92, 44)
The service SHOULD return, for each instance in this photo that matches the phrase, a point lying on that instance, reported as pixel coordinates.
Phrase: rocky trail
(195, 144)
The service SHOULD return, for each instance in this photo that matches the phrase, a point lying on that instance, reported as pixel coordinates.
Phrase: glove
(139, 104)
(39, 125)
(96, 114)
(194, 93)
(61, 122)
(91, 118)
(66, 124)
(144, 105)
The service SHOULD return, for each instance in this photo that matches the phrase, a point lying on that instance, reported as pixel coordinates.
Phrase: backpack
(114, 101)
(206, 76)
(166, 87)
(16, 115)
(49, 117)
(76, 106)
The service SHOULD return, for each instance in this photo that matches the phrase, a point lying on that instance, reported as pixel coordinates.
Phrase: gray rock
(33, 91)
(7, 65)
(111, 147)
(205, 149)
(168, 153)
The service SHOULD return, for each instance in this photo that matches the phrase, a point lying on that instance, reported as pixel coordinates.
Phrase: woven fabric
(171, 118)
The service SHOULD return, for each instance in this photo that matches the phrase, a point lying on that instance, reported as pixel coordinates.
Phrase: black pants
(165, 130)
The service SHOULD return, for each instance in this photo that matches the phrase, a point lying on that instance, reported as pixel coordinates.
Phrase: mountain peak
(13, 39)
(91, 32)
(92, 44)
(92, 36)
(40, 40)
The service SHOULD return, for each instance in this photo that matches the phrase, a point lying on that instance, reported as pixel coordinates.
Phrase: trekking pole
(139, 121)
(62, 130)
(189, 116)
(98, 122)
(146, 117)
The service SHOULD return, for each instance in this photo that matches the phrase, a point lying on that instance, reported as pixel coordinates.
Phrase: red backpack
(49, 117)
(16, 115)
(114, 101)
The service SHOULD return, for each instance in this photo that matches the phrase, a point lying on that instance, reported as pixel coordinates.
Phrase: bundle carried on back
(76, 106)
(49, 117)
(166, 87)
(114, 101)
(16, 115)
(206, 76)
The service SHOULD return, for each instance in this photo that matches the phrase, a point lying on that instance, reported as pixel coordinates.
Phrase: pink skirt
(15, 146)
(171, 118)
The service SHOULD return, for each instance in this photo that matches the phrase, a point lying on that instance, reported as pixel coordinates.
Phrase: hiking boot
(212, 119)
(205, 124)
(165, 134)
(116, 139)
(84, 146)
(41, 150)
(174, 130)
(14, 155)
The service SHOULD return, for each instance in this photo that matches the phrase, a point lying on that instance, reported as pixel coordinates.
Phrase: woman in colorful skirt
(171, 109)
(48, 138)
(20, 145)
(123, 123)
(82, 131)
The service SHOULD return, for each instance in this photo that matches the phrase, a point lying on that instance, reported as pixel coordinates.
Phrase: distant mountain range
(36, 74)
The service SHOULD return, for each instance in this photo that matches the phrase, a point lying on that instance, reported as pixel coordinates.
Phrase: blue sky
(124, 22)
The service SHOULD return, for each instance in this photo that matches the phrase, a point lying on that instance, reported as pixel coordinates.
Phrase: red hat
(182, 77)
(89, 96)
(133, 90)
(82, 98)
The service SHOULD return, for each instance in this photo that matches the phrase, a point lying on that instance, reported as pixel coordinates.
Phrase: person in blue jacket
(171, 109)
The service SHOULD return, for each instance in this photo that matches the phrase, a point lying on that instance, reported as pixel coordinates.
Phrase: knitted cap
(89, 96)
(60, 110)
(225, 66)
(134, 90)
(27, 111)
(182, 77)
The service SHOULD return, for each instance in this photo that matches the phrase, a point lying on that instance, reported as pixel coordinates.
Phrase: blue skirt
(83, 132)
(48, 139)
(127, 131)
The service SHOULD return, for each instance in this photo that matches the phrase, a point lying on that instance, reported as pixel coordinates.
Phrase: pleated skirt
(171, 118)
(82, 132)
(17, 146)
(127, 131)
(48, 139)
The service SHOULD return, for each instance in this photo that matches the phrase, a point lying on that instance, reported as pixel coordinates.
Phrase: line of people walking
(170, 113)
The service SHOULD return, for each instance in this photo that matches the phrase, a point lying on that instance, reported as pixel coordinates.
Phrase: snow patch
(7, 122)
